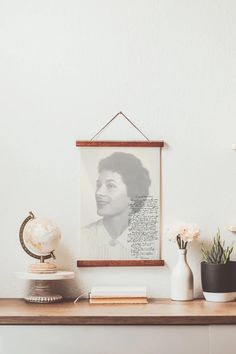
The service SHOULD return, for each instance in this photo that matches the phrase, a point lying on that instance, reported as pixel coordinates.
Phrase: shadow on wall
(65, 260)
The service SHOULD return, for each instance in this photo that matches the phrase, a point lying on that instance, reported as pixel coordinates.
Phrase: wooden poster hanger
(83, 262)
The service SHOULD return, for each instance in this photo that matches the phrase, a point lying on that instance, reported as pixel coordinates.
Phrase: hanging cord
(109, 122)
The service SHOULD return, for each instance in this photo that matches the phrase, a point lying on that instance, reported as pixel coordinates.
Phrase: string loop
(109, 122)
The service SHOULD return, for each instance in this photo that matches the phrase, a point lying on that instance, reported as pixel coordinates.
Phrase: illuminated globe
(41, 236)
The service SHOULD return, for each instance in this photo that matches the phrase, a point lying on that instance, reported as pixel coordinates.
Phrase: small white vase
(182, 279)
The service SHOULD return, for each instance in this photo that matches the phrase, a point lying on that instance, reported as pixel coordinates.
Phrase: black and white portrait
(119, 203)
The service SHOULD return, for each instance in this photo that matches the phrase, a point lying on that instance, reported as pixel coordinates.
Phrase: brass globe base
(42, 293)
(42, 268)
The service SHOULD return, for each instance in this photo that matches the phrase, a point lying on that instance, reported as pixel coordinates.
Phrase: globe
(41, 236)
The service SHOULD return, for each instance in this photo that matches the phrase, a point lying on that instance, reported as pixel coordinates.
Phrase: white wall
(66, 67)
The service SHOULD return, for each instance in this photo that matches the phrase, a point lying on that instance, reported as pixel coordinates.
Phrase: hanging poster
(120, 200)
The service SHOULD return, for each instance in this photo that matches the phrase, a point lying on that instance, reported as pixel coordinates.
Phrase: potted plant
(218, 273)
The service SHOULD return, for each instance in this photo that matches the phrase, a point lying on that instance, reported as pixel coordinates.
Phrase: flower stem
(181, 243)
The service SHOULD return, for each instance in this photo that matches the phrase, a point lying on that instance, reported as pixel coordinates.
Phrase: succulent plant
(218, 253)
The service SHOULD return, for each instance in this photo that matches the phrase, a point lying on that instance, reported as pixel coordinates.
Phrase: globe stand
(42, 268)
(42, 292)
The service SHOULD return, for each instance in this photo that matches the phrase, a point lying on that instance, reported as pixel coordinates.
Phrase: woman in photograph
(121, 188)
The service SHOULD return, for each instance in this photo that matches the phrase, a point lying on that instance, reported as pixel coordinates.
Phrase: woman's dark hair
(134, 175)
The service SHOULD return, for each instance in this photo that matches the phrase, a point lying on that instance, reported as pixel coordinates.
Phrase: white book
(118, 291)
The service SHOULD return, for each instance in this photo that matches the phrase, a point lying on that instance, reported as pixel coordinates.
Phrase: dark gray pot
(219, 279)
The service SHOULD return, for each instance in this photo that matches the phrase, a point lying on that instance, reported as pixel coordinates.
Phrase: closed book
(118, 291)
(119, 300)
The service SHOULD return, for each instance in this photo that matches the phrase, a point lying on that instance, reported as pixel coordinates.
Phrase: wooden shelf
(156, 312)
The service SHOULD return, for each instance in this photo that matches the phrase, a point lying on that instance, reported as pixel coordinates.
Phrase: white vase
(182, 279)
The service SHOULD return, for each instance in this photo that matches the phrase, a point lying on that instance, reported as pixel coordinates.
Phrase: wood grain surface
(119, 263)
(107, 143)
(156, 312)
